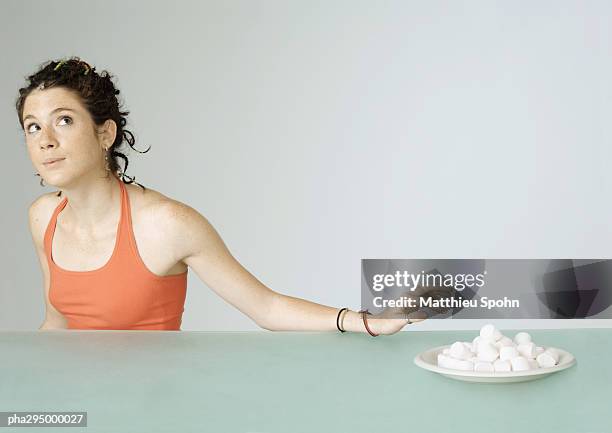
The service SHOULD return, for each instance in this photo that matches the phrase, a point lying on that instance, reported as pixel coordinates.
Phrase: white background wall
(316, 133)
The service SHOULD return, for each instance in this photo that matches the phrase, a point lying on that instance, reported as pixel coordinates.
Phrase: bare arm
(296, 314)
(198, 245)
(36, 213)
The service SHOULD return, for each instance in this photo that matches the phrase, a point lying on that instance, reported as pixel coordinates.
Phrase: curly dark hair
(99, 96)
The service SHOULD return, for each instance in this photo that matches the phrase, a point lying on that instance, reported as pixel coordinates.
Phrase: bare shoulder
(45, 201)
(40, 212)
(153, 203)
(156, 204)
(177, 216)
(185, 229)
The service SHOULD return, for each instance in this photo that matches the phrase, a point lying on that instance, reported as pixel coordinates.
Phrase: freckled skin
(86, 228)
(76, 137)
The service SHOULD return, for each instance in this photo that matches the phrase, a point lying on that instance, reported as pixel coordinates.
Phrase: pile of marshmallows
(493, 352)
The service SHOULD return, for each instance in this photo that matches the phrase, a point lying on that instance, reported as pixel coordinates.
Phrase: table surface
(264, 382)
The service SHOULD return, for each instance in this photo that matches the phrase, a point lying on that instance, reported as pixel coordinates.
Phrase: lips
(53, 161)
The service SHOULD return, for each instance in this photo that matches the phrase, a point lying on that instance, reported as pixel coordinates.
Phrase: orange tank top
(122, 294)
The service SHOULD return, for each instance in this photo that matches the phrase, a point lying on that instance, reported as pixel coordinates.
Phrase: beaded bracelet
(338, 320)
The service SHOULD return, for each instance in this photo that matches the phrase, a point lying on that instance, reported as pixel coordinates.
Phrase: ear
(107, 133)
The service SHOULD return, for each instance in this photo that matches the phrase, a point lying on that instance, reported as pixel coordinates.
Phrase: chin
(59, 180)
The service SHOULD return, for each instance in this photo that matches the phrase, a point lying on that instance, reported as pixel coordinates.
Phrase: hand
(392, 319)
(389, 321)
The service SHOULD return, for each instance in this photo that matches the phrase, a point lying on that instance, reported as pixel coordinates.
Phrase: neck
(92, 202)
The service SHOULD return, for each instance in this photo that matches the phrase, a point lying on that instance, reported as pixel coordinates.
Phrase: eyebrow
(57, 109)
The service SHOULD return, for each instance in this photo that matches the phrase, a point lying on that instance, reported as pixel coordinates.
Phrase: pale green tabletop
(264, 382)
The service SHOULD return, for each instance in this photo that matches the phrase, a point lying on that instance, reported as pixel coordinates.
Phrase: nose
(47, 139)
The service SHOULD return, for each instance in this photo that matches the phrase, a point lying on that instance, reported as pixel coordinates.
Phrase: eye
(27, 128)
(66, 117)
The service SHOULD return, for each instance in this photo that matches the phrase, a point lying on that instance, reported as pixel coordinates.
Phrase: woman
(115, 255)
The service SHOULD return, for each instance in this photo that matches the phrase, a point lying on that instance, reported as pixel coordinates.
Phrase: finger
(417, 316)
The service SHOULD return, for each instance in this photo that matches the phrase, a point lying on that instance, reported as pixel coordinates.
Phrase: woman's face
(57, 125)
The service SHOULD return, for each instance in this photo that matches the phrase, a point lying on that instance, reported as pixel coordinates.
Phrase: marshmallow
(443, 361)
(468, 346)
(548, 358)
(519, 364)
(506, 353)
(554, 354)
(458, 350)
(483, 342)
(483, 366)
(491, 351)
(504, 342)
(487, 352)
(488, 332)
(522, 337)
(500, 365)
(528, 350)
(461, 364)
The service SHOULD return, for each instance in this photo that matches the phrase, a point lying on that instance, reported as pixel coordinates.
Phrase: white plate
(429, 361)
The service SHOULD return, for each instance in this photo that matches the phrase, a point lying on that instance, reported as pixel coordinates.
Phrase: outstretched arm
(199, 246)
(295, 314)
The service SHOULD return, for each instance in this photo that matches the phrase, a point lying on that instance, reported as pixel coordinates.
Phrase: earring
(42, 181)
(106, 159)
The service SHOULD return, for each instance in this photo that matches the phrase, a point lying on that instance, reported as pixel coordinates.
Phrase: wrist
(353, 322)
